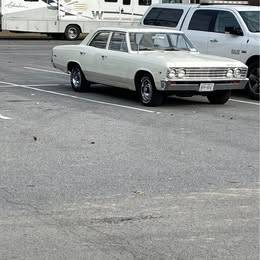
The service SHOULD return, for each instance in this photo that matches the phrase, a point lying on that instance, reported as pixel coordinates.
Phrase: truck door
(197, 28)
(224, 43)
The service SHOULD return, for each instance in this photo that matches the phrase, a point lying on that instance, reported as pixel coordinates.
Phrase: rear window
(167, 17)
(203, 20)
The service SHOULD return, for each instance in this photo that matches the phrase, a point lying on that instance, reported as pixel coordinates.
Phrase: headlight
(229, 73)
(180, 73)
(237, 73)
(171, 73)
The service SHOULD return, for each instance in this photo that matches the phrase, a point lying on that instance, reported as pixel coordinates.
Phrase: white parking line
(5, 117)
(43, 70)
(245, 102)
(79, 98)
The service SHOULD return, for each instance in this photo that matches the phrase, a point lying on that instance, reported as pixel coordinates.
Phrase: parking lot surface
(99, 176)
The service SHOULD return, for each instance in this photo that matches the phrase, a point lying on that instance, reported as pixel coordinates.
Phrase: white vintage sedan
(153, 62)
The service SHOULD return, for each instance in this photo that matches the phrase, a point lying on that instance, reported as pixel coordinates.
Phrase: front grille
(210, 73)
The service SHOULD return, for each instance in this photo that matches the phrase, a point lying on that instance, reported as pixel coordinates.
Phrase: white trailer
(69, 18)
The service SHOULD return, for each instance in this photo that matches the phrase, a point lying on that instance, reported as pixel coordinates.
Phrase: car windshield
(150, 41)
(251, 19)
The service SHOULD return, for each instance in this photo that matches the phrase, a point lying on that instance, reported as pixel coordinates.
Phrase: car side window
(203, 20)
(167, 17)
(100, 40)
(118, 42)
(225, 19)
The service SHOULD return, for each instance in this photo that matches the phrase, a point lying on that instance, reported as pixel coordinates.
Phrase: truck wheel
(78, 81)
(147, 92)
(219, 97)
(72, 32)
(253, 84)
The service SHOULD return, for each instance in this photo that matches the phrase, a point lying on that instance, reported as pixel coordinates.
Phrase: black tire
(78, 81)
(72, 32)
(219, 97)
(253, 84)
(147, 92)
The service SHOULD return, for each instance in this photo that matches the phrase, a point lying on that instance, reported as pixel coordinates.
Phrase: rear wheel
(253, 84)
(78, 81)
(147, 92)
(219, 97)
(72, 32)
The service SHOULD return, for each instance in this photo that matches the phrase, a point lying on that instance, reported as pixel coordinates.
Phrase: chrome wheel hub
(146, 90)
(76, 78)
(73, 33)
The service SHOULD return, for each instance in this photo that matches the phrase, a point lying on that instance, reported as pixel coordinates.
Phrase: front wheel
(78, 81)
(219, 97)
(253, 84)
(147, 92)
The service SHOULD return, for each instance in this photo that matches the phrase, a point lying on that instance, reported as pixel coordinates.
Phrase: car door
(93, 57)
(201, 23)
(221, 42)
(116, 62)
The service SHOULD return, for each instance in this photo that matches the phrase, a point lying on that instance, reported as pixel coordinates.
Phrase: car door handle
(213, 40)
(83, 53)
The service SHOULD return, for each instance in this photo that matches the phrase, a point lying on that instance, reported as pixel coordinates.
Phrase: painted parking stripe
(245, 102)
(5, 117)
(44, 70)
(79, 98)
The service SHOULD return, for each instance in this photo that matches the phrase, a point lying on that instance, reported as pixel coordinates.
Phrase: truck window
(252, 20)
(225, 19)
(100, 40)
(203, 20)
(167, 17)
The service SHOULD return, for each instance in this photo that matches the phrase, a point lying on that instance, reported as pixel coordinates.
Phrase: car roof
(139, 29)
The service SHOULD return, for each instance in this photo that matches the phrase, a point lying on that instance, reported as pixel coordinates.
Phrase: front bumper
(170, 85)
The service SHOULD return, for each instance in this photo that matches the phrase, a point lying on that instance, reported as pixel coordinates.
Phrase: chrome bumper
(167, 85)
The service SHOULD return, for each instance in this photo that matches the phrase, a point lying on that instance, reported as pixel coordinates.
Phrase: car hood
(191, 59)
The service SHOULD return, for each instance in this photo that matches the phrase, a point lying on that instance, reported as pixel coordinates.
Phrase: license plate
(205, 87)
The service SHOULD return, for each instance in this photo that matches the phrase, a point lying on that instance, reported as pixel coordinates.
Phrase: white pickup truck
(224, 30)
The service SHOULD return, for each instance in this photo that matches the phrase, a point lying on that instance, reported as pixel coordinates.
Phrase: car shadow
(128, 95)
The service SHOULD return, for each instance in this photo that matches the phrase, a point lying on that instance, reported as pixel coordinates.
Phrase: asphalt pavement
(99, 176)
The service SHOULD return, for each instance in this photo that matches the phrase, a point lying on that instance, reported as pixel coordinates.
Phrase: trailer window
(111, 1)
(126, 2)
(145, 2)
(203, 20)
(100, 40)
(167, 17)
